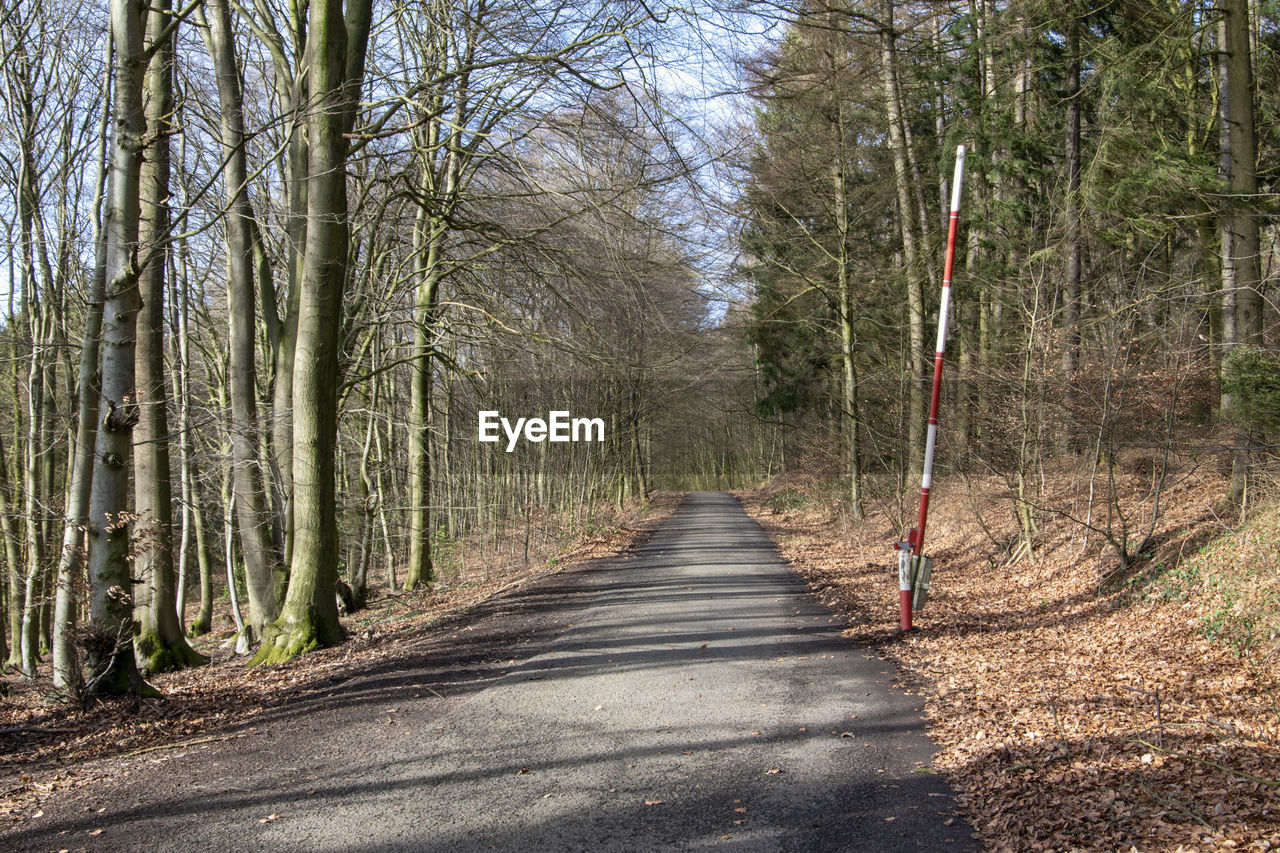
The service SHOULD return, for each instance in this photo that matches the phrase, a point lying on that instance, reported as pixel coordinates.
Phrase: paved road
(697, 697)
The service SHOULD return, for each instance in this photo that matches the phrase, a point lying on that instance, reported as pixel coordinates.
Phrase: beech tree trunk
(426, 245)
(336, 51)
(13, 564)
(109, 652)
(66, 664)
(264, 573)
(160, 643)
(37, 289)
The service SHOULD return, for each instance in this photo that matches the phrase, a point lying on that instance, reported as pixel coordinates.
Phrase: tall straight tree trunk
(185, 489)
(36, 462)
(1245, 244)
(36, 291)
(910, 249)
(66, 665)
(849, 385)
(282, 360)
(160, 644)
(1071, 295)
(203, 622)
(294, 93)
(439, 161)
(287, 47)
(180, 387)
(369, 497)
(264, 573)
(48, 473)
(109, 652)
(1241, 267)
(991, 310)
(1074, 248)
(392, 585)
(1228, 254)
(336, 52)
(20, 85)
(427, 249)
(13, 563)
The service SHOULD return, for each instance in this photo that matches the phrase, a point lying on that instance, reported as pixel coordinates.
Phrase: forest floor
(1076, 707)
(49, 746)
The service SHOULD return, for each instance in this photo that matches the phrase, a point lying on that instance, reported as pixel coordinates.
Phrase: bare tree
(336, 49)
(263, 569)
(160, 642)
(109, 652)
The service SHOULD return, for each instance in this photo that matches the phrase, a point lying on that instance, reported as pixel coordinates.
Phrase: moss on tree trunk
(296, 632)
(154, 655)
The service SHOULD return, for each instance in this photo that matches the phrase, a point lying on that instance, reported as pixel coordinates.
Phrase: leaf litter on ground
(1070, 714)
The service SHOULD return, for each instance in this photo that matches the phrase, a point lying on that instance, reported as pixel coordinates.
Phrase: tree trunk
(336, 65)
(66, 664)
(109, 652)
(179, 358)
(13, 564)
(34, 480)
(381, 491)
(1074, 248)
(426, 246)
(1245, 244)
(264, 574)
(369, 496)
(36, 293)
(911, 260)
(1241, 268)
(1071, 295)
(160, 644)
(203, 622)
(845, 307)
(294, 92)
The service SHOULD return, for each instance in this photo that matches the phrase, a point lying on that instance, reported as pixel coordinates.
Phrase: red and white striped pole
(916, 539)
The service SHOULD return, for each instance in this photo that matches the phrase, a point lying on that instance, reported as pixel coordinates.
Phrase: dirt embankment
(1076, 707)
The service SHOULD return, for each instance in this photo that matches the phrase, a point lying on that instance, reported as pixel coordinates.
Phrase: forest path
(692, 695)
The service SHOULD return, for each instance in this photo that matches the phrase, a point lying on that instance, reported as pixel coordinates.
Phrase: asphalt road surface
(694, 696)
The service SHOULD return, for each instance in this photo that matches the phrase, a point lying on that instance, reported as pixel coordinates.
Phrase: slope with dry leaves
(1075, 709)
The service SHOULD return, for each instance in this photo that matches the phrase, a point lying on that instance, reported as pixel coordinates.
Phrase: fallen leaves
(1068, 719)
